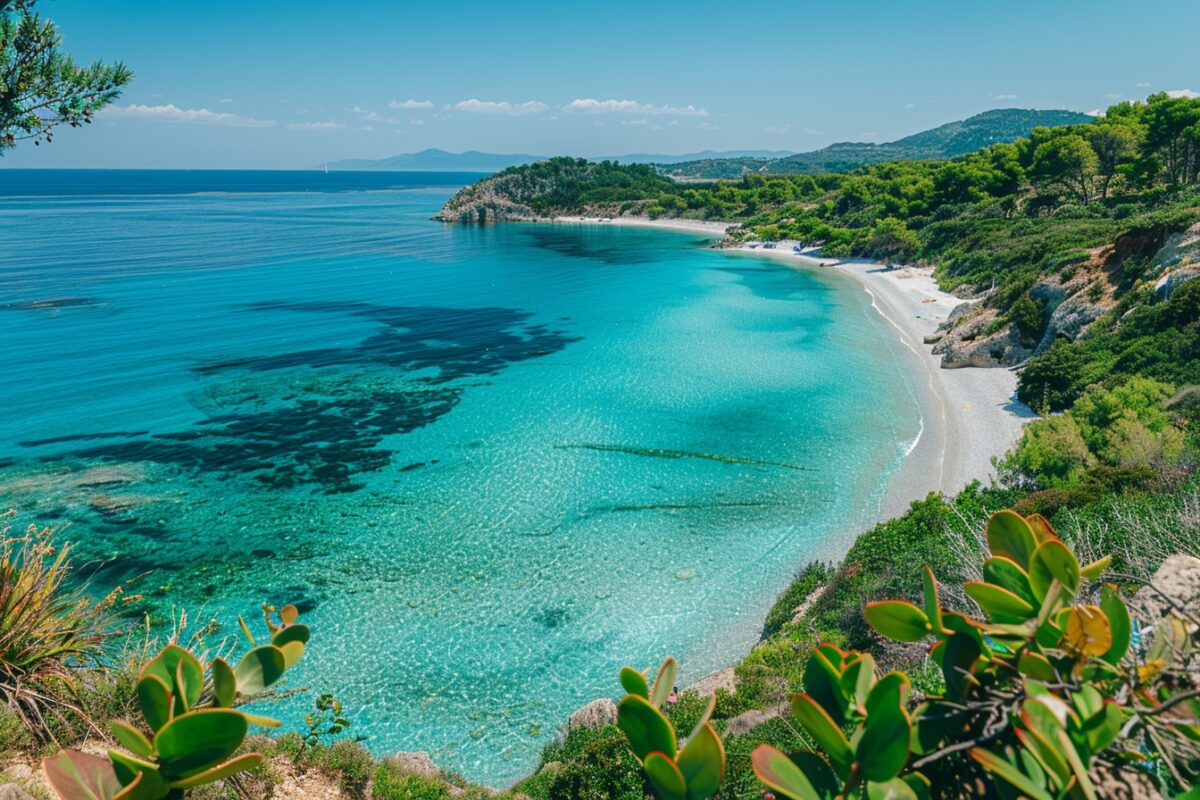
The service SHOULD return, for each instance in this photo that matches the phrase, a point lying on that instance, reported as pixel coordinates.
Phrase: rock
(1173, 279)
(417, 763)
(708, 685)
(1124, 784)
(1179, 579)
(11, 791)
(595, 714)
(749, 720)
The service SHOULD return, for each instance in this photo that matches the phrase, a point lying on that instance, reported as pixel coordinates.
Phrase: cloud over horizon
(476, 106)
(173, 113)
(411, 104)
(589, 105)
(1188, 93)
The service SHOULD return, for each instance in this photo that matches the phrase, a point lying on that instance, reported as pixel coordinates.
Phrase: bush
(348, 762)
(391, 783)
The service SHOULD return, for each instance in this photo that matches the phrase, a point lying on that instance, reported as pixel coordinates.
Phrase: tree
(1114, 145)
(1068, 161)
(42, 87)
(1173, 134)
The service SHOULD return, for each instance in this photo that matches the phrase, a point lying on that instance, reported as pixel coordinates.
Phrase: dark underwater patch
(318, 417)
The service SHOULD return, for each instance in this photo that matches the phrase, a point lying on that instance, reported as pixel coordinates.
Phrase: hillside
(945, 141)
(435, 160)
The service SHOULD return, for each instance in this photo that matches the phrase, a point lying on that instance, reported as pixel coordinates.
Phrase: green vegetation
(190, 730)
(945, 141)
(42, 87)
(1048, 683)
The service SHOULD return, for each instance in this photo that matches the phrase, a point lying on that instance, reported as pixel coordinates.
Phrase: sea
(491, 465)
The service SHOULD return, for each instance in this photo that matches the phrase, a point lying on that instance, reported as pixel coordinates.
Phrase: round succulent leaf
(894, 789)
(1053, 561)
(1095, 569)
(141, 779)
(1119, 623)
(254, 719)
(289, 614)
(224, 683)
(705, 716)
(220, 772)
(1000, 605)
(933, 607)
(836, 655)
(1036, 666)
(1043, 531)
(921, 786)
(883, 749)
(292, 653)
(665, 776)
(645, 727)
(856, 681)
(958, 659)
(780, 774)
(154, 700)
(702, 763)
(1005, 573)
(898, 620)
(825, 732)
(172, 661)
(199, 740)
(292, 633)
(259, 668)
(889, 692)
(81, 776)
(823, 683)
(1088, 631)
(1009, 535)
(131, 738)
(634, 682)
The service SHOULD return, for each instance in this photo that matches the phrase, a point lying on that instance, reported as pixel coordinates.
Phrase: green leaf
(920, 785)
(705, 716)
(634, 682)
(1009, 535)
(856, 681)
(933, 606)
(292, 653)
(1008, 773)
(1005, 573)
(825, 732)
(1036, 666)
(81, 776)
(1077, 766)
(781, 774)
(246, 631)
(898, 620)
(645, 727)
(665, 776)
(958, 659)
(224, 683)
(823, 683)
(259, 668)
(882, 751)
(999, 604)
(154, 699)
(131, 738)
(198, 740)
(169, 664)
(292, 633)
(220, 772)
(893, 789)
(1043, 531)
(141, 779)
(664, 683)
(1053, 561)
(1119, 623)
(702, 763)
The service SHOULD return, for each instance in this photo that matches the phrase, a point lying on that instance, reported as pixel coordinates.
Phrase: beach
(969, 416)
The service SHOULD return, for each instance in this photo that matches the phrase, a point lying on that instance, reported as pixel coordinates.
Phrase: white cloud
(225, 100)
(173, 113)
(1144, 85)
(1004, 97)
(1188, 93)
(777, 129)
(635, 122)
(1112, 96)
(910, 105)
(415, 121)
(1095, 112)
(813, 132)
(708, 126)
(476, 106)
(316, 126)
(590, 105)
(411, 104)
(367, 128)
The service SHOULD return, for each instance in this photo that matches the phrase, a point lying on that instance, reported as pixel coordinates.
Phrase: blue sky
(292, 83)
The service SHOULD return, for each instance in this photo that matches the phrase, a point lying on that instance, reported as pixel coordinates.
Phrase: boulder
(595, 714)
(1179, 579)
(11, 791)
(708, 685)
(417, 763)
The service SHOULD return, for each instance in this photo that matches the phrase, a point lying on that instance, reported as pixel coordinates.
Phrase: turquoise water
(480, 459)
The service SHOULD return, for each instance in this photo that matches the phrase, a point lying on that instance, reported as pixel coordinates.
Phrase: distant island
(435, 160)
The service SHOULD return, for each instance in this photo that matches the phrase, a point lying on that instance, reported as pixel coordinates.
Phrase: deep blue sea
(491, 465)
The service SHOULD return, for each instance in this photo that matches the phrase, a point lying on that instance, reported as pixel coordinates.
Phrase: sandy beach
(969, 415)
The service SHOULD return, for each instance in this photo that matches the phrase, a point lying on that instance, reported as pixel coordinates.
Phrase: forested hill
(945, 141)
(1076, 238)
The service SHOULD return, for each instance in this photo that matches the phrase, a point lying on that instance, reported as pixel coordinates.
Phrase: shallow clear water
(481, 459)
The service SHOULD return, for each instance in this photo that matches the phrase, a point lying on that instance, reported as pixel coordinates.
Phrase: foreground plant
(47, 631)
(688, 772)
(1048, 685)
(191, 726)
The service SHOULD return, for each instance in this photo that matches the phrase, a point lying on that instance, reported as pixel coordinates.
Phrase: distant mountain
(434, 160)
(944, 141)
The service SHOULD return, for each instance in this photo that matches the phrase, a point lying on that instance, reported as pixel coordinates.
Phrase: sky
(282, 84)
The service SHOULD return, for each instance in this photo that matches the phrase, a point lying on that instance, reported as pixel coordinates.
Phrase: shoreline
(968, 415)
